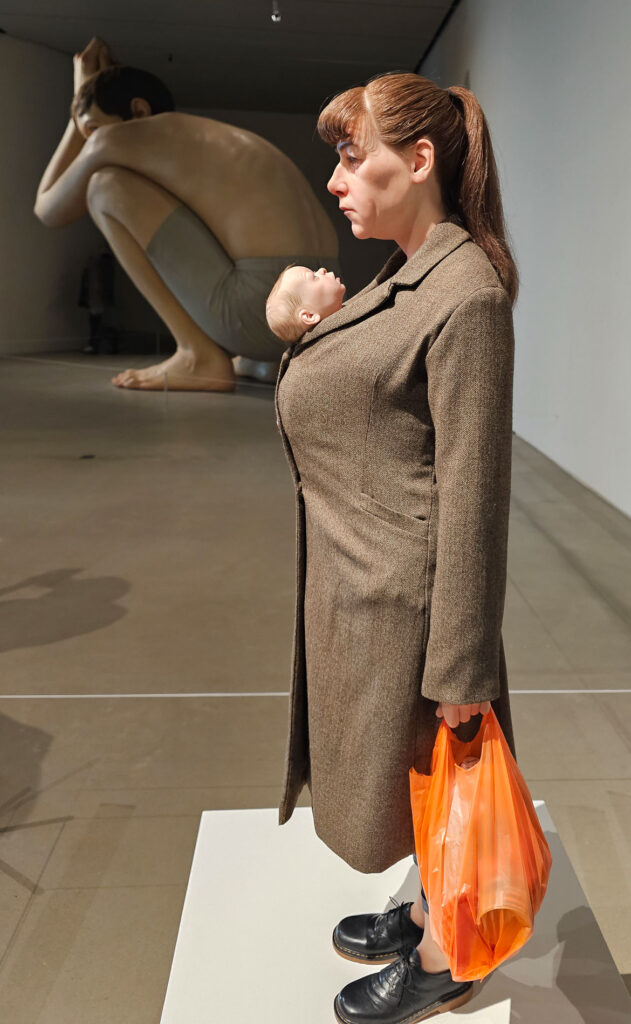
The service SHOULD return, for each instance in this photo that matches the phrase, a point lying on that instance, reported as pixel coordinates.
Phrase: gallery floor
(147, 590)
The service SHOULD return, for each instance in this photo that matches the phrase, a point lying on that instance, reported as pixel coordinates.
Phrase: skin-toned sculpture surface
(201, 215)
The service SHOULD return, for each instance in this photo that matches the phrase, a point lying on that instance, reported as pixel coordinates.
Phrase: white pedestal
(254, 942)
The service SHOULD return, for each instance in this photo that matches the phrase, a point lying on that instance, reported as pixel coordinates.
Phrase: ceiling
(230, 55)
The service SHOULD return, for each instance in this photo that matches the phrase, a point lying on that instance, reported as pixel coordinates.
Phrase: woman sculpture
(396, 418)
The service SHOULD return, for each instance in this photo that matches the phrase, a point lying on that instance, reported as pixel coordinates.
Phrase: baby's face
(320, 291)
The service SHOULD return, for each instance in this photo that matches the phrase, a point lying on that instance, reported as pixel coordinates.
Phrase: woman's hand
(90, 61)
(454, 714)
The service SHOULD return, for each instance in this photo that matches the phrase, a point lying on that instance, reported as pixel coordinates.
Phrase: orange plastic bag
(483, 857)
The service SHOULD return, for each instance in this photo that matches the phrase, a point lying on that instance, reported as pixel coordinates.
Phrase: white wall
(39, 268)
(551, 78)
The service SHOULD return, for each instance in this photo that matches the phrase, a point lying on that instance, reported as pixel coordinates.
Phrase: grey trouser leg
(424, 902)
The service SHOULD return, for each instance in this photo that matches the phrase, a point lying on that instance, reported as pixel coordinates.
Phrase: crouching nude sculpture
(201, 215)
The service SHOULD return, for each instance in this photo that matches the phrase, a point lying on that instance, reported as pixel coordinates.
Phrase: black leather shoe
(376, 938)
(401, 993)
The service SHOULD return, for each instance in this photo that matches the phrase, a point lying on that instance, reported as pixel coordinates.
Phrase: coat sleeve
(470, 389)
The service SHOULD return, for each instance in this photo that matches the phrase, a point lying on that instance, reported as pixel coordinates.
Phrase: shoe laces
(398, 909)
(397, 976)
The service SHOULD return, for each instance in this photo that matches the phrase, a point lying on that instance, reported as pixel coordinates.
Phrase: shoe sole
(428, 1011)
(384, 958)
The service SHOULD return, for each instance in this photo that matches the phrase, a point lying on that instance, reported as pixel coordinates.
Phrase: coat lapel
(397, 272)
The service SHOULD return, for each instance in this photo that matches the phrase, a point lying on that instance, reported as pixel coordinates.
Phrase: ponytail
(474, 193)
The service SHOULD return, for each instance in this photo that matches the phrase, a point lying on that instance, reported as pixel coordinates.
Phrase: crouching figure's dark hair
(114, 88)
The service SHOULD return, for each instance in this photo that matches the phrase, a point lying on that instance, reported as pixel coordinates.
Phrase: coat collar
(397, 272)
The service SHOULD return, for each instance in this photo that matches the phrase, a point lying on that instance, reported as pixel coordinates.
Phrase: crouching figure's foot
(181, 372)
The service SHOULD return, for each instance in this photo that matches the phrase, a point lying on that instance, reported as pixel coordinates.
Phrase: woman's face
(375, 188)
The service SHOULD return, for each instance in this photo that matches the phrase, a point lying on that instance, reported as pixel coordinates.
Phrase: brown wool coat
(396, 420)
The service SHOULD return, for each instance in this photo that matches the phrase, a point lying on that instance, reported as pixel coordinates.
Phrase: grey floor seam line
(106, 366)
(279, 693)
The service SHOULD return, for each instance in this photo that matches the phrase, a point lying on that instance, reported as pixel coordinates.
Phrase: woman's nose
(335, 184)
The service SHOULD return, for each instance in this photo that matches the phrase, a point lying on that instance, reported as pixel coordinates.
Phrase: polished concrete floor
(147, 597)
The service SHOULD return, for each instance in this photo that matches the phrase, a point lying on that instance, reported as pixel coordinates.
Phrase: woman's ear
(140, 107)
(422, 159)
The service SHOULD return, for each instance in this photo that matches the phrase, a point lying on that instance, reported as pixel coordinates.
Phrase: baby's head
(300, 299)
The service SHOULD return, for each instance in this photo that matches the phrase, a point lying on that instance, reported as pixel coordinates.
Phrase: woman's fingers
(450, 713)
(454, 714)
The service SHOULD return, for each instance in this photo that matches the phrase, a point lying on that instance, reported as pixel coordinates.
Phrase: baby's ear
(309, 319)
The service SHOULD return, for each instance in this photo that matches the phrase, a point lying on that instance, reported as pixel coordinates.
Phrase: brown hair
(400, 107)
(281, 310)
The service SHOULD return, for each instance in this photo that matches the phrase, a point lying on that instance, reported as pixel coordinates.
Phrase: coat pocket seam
(413, 525)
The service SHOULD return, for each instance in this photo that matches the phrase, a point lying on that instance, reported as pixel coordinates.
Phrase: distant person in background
(96, 294)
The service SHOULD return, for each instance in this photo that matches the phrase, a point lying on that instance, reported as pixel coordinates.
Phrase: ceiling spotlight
(275, 11)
